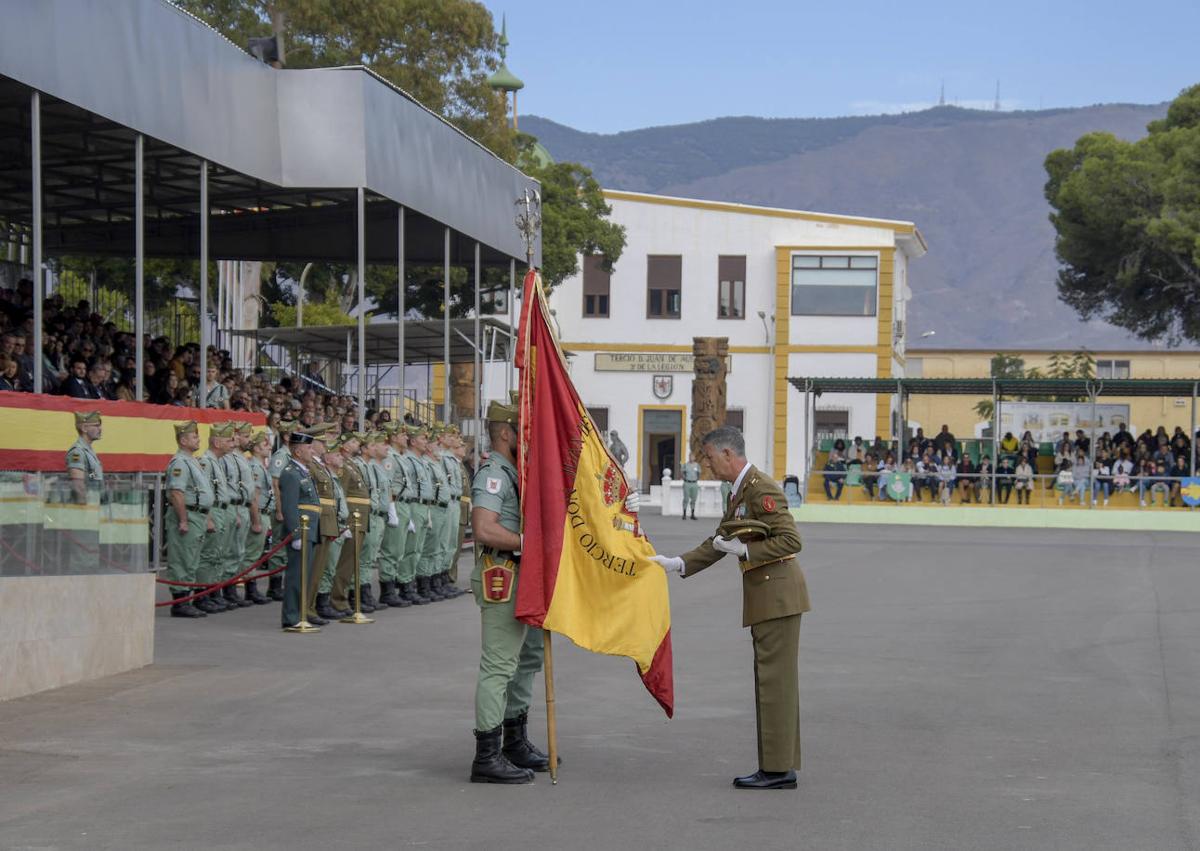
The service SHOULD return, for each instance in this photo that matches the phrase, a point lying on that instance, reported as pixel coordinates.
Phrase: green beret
(87, 418)
(186, 428)
(498, 412)
(224, 429)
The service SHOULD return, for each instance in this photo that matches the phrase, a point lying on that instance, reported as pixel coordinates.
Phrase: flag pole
(551, 718)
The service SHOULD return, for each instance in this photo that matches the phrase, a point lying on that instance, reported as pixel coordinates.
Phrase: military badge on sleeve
(768, 504)
(492, 485)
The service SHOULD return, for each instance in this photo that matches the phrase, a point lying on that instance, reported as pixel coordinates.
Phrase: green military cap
(745, 530)
(243, 427)
(286, 428)
(259, 437)
(498, 412)
(224, 429)
(186, 428)
(411, 429)
(376, 437)
(451, 429)
(335, 444)
(319, 431)
(360, 436)
(87, 418)
(391, 427)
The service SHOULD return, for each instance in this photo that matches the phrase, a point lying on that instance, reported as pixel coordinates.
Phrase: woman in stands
(1064, 482)
(983, 484)
(1122, 471)
(965, 474)
(1024, 480)
(1101, 476)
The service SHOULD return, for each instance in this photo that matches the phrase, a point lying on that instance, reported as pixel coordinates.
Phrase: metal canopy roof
(422, 340)
(1002, 386)
(286, 149)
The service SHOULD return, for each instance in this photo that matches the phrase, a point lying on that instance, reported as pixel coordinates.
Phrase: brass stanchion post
(358, 616)
(303, 625)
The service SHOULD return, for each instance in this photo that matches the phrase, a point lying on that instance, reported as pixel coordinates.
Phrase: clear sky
(618, 64)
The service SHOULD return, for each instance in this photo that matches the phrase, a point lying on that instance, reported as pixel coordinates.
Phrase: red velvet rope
(241, 577)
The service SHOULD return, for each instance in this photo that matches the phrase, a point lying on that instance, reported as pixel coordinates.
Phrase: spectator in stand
(856, 447)
(923, 442)
(943, 437)
(1082, 442)
(908, 468)
(126, 388)
(840, 446)
(1004, 479)
(1122, 470)
(1180, 447)
(1082, 471)
(925, 475)
(1163, 454)
(9, 378)
(216, 393)
(1030, 445)
(885, 469)
(98, 378)
(947, 453)
(983, 481)
(945, 476)
(867, 468)
(1009, 445)
(966, 480)
(1101, 476)
(914, 450)
(1064, 450)
(1123, 437)
(1064, 482)
(835, 476)
(1160, 484)
(1178, 473)
(77, 385)
(1024, 480)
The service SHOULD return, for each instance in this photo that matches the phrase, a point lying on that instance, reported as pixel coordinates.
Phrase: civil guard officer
(691, 485)
(357, 489)
(262, 510)
(298, 497)
(190, 495)
(774, 595)
(83, 466)
(511, 651)
(242, 505)
(275, 467)
(329, 528)
(216, 545)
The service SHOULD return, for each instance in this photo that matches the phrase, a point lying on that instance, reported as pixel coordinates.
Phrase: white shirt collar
(300, 464)
(737, 483)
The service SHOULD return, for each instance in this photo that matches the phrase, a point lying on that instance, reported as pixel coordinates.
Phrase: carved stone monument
(708, 392)
(462, 390)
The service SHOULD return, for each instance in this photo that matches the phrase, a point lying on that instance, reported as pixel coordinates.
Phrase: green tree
(1078, 364)
(327, 311)
(1127, 215)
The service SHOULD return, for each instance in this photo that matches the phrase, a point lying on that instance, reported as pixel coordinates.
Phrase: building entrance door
(661, 443)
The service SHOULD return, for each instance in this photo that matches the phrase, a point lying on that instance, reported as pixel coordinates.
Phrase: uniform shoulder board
(74, 456)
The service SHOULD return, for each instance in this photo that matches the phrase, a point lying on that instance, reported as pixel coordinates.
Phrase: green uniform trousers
(691, 490)
(183, 551)
(215, 549)
(450, 535)
(255, 542)
(391, 549)
(332, 557)
(434, 545)
(236, 556)
(511, 653)
(278, 533)
(777, 692)
(464, 512)
(414, 545)
(370, 551)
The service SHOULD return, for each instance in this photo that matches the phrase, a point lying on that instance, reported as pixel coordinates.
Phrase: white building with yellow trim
(796, 293)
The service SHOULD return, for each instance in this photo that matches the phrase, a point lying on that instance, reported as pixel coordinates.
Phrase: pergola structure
(1090, 388)
(134, 129)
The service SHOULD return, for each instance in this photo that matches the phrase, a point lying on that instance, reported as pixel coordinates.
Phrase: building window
(834, 285)
(1112, 369)
(596, 284)
(736, 418)
(731, 287)
(600, 418)
(664, 285)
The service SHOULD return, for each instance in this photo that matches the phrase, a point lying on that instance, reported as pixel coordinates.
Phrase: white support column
(35, 125)
(362, 304)
(477, 354)
(510, 381)
(446, 332)
(400, 307)
(139, 279)
(203, 311)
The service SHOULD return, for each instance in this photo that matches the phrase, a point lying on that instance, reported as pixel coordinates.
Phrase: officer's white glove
(633, 502)
(393, 517)
(670, 564)
(296, 542)
(346, 535)
(730, 545)
(412, 527)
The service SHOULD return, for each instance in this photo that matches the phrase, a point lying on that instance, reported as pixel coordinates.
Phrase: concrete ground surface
(960, 689)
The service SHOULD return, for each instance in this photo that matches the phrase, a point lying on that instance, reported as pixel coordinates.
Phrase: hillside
(971, 180)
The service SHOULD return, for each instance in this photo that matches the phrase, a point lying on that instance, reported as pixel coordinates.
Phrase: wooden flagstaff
(551, 719)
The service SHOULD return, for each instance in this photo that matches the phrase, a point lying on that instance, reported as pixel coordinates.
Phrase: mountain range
(971, 180)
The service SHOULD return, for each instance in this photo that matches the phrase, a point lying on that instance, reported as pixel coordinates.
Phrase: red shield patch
(768, 504)
(497, 579)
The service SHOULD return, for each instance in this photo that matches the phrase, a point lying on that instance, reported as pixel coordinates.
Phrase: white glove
(670, 564)
(346, 535)
(393, 518)
(730, 545)
(412, 527)
(633, 502)
(296, 542)
(520, 547)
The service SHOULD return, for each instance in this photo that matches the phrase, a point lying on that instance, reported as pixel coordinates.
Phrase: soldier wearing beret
(774, 595)
(83, 465)
(262, 510)
(190, 497)
(216, 547)
(243, 507)
(298, 498)
(275, 467)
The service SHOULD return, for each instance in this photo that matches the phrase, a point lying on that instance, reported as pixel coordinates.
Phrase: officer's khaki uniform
(328, 530)
(774, 595)
(511, 651)
(357, 491)
(337, 544)
(183, 551)
(453, 511)
(82, 525)
(464, 517)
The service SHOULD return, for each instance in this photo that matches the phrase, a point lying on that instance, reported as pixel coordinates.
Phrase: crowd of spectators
(1154, 465)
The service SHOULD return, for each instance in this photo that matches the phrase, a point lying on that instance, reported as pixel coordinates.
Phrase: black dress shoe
(766, 780)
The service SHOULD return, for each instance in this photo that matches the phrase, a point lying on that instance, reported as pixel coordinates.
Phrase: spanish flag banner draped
(586, 571)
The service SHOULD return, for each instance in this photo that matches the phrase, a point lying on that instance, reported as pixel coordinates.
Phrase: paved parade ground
(960, 689)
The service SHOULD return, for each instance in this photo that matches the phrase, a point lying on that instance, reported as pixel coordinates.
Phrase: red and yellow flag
(586, 571)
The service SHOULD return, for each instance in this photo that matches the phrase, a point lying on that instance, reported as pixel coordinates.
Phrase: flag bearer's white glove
(633, 502)
(730, 545)
(520, 547)
(346, 535)
(412, 527)
(670, 564)
(393, 517)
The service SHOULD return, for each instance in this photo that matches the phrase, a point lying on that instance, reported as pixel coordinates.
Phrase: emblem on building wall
(663, 386)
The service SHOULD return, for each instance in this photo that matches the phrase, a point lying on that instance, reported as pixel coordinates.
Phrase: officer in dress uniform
(774, 595)
(418, 496)
(275, 467)
(381, 507)
(215, 549)
(83, 465)
(242, 504)
(395, 533)
(335, 464)
(452, 470)
(262, 509)
(357, 488)
(190, 497)
(329, 528)
(511, 651)
(691, 486)
(298, 497)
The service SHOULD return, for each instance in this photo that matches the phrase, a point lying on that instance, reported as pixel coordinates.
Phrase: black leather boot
(275, 587)
(413, 594)
(253, 595)
(231, 596)
(203, 604)
(184, 610)
(450, 589)
(490, 765)
(368, 599)
(519, 750)
(325, 610)
(217, 601)
(425, 589)
(389, 597)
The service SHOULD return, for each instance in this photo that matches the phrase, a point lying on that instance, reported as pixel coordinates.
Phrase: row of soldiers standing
(405, 484)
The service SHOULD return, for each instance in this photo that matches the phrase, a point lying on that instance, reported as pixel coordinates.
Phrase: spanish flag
(586, 571)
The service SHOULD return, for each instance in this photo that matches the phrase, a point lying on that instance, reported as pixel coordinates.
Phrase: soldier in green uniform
(335, 464)
(190, 497)
(395, 534)
(464, 512)
(511, 651)
(262, 509)
(357, 487)
(434, 545)
(275, 467)
(298, 497)
(452, 470)
(329, 528)
(216, 544)
(774, 595)
(383, 511)
(241, 485)
(418, 496)
(84, 469)
(691, 486)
